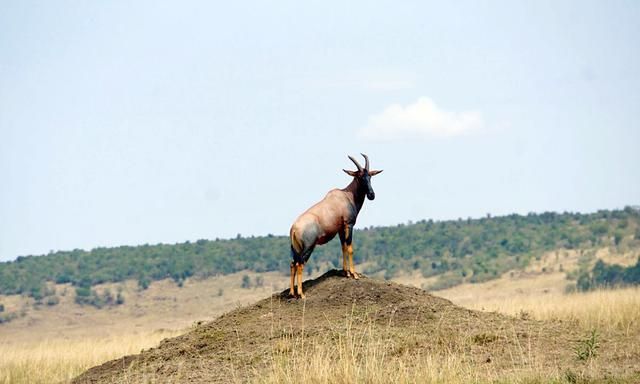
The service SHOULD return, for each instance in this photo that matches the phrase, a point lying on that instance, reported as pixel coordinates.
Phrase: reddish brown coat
(335, 214)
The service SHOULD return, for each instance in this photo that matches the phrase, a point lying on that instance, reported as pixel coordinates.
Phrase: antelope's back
(330, 214)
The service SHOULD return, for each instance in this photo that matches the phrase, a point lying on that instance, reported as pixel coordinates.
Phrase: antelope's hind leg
(297, 249)
(292, 291)
(300, 273)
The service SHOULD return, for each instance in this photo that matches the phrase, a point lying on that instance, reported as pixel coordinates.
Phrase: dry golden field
(60, 360)
(607, 312)
(612, 314)
(376, 331)
(54, 344)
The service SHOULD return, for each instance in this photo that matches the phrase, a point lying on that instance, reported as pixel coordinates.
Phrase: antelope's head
(363, 176)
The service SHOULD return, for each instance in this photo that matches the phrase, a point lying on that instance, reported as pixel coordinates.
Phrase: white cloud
(422, 119)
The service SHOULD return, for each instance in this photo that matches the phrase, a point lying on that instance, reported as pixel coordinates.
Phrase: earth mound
(246, 343)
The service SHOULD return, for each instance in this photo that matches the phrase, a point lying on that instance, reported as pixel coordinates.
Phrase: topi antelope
(336, 213)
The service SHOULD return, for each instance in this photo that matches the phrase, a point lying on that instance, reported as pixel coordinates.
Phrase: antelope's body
(335, 214)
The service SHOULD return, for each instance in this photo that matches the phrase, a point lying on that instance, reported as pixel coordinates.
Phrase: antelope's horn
(366, 161)
(356, 163)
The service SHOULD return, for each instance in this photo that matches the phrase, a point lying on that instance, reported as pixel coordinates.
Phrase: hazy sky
(144, 122)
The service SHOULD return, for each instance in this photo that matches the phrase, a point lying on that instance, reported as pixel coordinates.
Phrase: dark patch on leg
(306, 254)
(346, 237)
(349, 237)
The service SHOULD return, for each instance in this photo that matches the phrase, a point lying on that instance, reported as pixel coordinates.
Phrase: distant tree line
(605, 275)
(469, 250)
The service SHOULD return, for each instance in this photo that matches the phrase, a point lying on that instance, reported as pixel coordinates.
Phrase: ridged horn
(366, 161)
(356, 163)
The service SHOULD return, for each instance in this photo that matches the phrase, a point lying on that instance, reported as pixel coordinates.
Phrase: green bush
(83, 292)
(144, 282)
(605, 275)
(87, 296)
(587, 348)
(246, 282)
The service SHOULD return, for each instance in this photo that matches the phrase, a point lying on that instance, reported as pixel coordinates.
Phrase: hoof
(349, 275)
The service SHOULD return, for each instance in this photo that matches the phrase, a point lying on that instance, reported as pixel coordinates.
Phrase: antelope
(335, 214)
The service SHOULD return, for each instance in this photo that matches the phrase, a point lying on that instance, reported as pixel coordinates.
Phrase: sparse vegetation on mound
(372, 331)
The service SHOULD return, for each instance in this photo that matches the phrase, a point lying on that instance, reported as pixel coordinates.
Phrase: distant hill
(463, 250)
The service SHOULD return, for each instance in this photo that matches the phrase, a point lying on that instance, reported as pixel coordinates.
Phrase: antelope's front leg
(345, 240)
(351, 269)
(345, 260)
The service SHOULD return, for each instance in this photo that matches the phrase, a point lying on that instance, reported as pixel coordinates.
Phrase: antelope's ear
(351, 173)
(373, 173)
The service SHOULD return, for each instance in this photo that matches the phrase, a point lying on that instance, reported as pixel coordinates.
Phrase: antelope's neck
(353, 189)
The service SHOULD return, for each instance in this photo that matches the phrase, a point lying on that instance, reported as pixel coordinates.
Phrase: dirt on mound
(243, 344)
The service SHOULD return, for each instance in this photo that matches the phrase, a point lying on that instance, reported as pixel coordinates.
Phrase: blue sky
(146, 122)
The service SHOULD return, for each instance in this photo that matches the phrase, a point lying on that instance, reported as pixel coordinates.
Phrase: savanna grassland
(46, 350)
(377, 331)
(55, 343)
(539, 283)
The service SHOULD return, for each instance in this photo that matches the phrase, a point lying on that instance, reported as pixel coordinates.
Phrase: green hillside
(471, 250)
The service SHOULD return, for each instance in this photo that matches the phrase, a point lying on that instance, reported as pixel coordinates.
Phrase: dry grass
(322, 364)
(352, 359)
(359, 356)
(539, 292)
(606, 310)
(59, 360)
(363, 356)
(355, 361)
